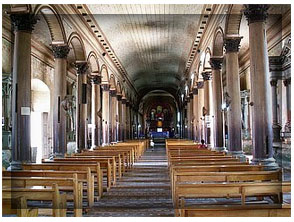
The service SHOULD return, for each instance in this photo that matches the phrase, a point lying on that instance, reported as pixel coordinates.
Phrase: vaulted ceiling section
(152, 42)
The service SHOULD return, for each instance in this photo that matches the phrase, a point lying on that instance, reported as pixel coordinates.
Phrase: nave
(143, 191)
(89, 89)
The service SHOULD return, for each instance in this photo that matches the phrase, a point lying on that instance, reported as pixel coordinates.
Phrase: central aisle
(144, 191)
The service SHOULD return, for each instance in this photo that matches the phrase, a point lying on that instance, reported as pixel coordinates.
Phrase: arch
(123, 94)
(41, 97)
(104, 75)
(118, 88)
(233, 19)
(93, 62)
(77, 45)
(206, 64)
(112, 82)
(53, 21)
(218, 42)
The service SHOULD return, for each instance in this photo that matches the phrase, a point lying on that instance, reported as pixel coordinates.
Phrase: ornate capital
(206, 76)
(287, 82)
(195, 91)
(23, 22)
(112, 92)
(232, 44)
(216, 62)
(123, 100)
(118, 96)
(81, 67)
(200, 85)
(60, 51)
(95, 79)
(105, 87)
(256, 13)
(273, 82)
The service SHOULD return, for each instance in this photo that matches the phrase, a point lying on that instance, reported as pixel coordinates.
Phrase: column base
(57, 155)
(219, 149)
(239, 154)
(15, 165)
(269, 164)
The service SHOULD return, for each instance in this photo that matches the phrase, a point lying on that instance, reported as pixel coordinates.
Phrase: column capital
(60, 51)
(95, 79)
(256, 12)
(82, 67)
(112, 92)
(232, 44)
(200, 85)
(206, 75)
(274, 82)
(287, 82)
(119, 96)
(124, 100)
(195, 91)
(128, 103)
(23, 21)
(105, 87)
(216, 62)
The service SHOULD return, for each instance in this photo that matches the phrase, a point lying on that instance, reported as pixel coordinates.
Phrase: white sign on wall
(25, 111)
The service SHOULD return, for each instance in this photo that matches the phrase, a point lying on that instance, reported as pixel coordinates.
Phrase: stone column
(127, 119)
(124, 117)
(131, 121)
(188, 117)
(218, 127)
(195, 113)
(95, 80)
(262, 132)
(200, 86)
(287, 83)
(119, 115)
(105, 114)
(81, 127)
(276, 126)
(113, 114)
(21, 89)
(59, 97)
(191, 115)
(206, 111)
(233, 96)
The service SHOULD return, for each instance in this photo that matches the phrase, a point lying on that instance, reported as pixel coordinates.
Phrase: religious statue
(68, 105)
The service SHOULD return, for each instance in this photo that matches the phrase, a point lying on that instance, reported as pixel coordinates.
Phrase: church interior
(146, 110)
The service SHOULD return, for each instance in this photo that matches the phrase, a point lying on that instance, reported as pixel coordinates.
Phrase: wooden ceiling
(152, 42)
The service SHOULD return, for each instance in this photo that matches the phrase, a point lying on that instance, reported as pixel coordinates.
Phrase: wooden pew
(64, 184)
(108, 165)
(129, 150)
(18, 206)
(242, 190)
(83, 176)
(117, 164)
(40, 194)
(271, 210)
(125, 156)
(221, 177)
(95, 168)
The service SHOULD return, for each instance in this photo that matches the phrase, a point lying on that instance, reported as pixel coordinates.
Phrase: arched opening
(160, 113)
(40, 120)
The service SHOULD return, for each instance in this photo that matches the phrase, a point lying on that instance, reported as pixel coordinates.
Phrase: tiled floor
(143, 191)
